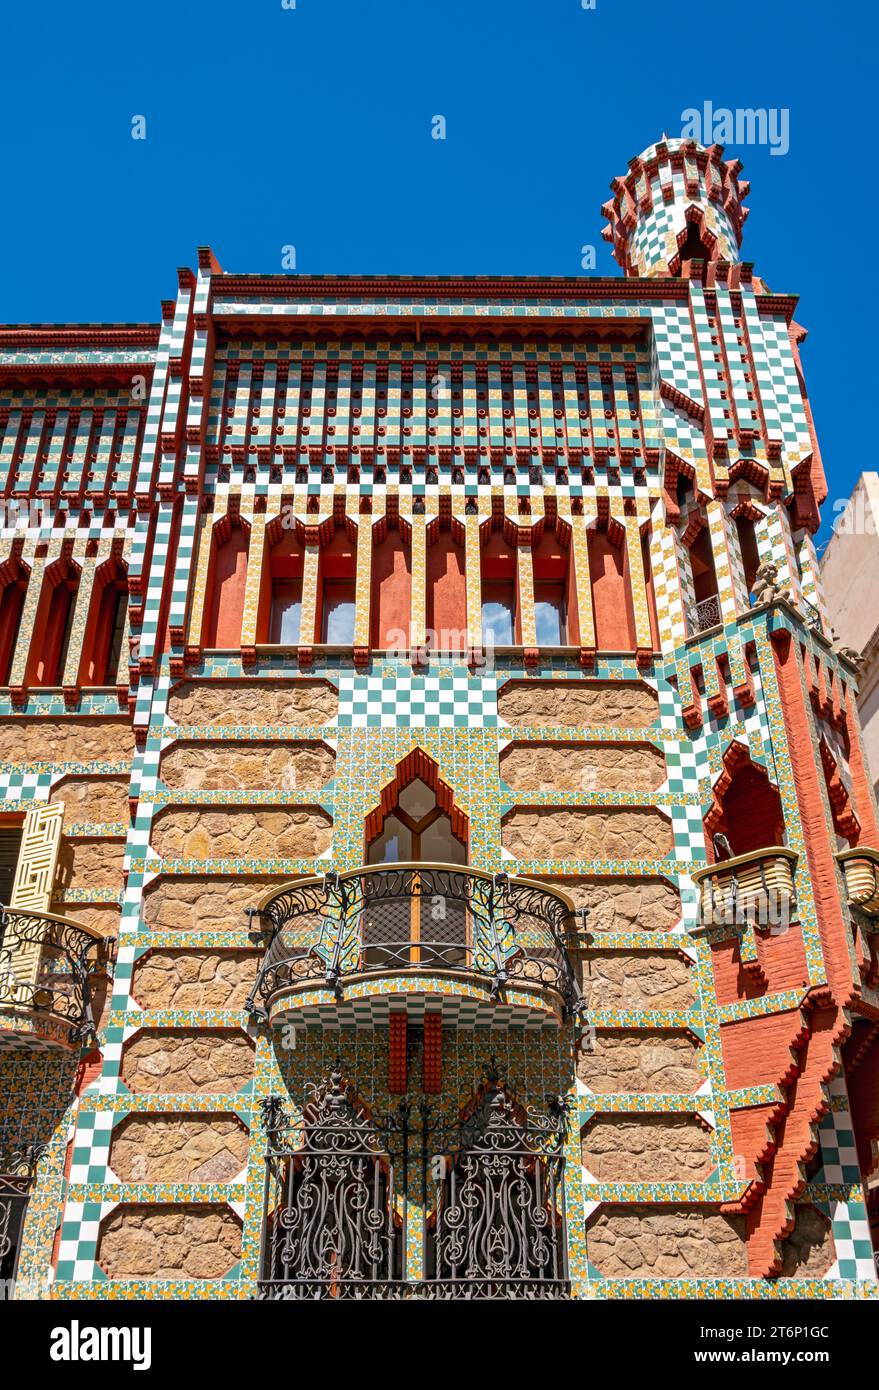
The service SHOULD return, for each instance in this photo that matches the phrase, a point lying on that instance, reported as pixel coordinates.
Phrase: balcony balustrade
(861, 869)
(47, 967)
(356, 1199)
(424, 925)
(755, 890)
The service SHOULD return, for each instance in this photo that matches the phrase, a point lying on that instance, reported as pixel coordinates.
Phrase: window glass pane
(393, 845)
(338, 614)
(439, 846)
(497, 622)
(286, 611)
(417, 799)
(549, 615)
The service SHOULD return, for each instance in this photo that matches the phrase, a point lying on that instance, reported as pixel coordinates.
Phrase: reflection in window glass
(549, 615)
(393, 845)
(497, 622)
(286, 611)
(338, 614)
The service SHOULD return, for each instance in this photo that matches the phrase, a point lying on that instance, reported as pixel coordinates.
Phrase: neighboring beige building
(850, 571)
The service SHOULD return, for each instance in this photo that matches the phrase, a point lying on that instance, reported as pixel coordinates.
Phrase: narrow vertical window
(338, 613)
(337, 587)
(11, 606)
(286, 618)
(550, 613)
(447, 586)
(500, 618)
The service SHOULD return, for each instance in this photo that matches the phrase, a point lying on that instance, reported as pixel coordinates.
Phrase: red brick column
(865, 806)
(820, 850)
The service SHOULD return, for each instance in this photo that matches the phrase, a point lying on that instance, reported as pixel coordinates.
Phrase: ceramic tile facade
(483, 400)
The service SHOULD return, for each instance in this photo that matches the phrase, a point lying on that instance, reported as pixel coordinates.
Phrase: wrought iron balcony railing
(47, 965)
(812, 614)
(704, 615)
(415, 918)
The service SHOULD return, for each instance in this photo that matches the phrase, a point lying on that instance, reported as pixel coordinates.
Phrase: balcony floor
(464, 1002)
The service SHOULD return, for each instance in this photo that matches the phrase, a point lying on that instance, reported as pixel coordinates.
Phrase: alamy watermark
(743, 125)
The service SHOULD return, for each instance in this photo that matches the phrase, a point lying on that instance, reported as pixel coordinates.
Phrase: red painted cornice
(60, 336)
(566, 289)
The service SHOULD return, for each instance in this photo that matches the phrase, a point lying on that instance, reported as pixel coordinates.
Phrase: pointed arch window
(337, 584)
(14, 576)
(332, 1227)
(612, 605)
(416, 822)
(446, 584)
(500, 588)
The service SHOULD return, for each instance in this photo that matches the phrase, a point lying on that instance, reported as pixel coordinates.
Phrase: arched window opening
(500, 590)
(498, 1203)
(416, 822)
(227, 583)
(332, 1226)
(391, 599)
(752, 816)
(446, 610)
(53, 624)
(704, 612)
(105, 628)
(683, 488)
(280, 607)
(555, 595)
(748, 549)
(337, 587)
(693, 248)
(702, 566)
(612, 606)
(647, 563)
(15, 578)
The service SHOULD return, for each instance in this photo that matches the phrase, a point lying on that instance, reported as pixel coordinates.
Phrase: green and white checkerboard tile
(387, 701)
(848, 1215)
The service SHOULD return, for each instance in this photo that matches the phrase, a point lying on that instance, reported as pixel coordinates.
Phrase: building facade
(439, 858)
(849, 569)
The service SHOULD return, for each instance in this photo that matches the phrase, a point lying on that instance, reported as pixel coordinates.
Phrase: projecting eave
(76, 353)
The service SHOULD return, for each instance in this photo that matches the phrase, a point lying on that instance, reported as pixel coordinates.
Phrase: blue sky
(268, 127)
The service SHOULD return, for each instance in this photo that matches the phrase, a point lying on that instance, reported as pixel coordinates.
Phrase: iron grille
(704, 615)
(487, 1188)
(17, 1169)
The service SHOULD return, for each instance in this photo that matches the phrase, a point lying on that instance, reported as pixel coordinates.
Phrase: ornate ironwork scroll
(46, 964)
(17, 1169)
(415, 918)
(330, 1225)
(490, 1199)
(498, 1223)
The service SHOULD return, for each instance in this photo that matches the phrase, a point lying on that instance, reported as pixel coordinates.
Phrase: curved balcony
(755, 890)
(478, 947)
(47, 966)
(861, 869)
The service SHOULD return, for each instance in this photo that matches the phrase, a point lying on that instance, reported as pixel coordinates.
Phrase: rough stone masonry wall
(174, 1148)
(191, 1064)
(169, 1242)
(581, 833)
